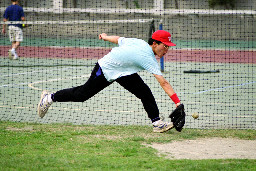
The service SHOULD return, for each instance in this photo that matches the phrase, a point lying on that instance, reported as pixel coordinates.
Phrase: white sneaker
(10, 54)
(14, 54)
(43, 104)
(161, 126)
(15, 57)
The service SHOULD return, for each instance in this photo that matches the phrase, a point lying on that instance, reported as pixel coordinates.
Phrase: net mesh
(212, 68)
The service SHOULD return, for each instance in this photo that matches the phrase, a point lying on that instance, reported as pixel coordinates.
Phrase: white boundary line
(217, 89)
(31, 85)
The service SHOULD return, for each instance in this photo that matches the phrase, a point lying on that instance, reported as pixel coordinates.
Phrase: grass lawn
(29, 146)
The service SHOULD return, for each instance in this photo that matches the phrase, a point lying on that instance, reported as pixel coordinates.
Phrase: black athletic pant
(97, 82)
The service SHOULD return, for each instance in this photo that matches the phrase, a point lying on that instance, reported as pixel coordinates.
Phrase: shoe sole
(164, 130)
(41, 114)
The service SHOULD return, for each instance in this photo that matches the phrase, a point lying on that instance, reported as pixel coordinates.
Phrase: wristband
(175, 98)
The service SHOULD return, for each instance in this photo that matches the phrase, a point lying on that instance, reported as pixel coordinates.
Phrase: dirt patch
(210, 148)
(26, 128)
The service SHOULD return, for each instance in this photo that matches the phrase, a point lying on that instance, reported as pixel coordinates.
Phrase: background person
(14, 12)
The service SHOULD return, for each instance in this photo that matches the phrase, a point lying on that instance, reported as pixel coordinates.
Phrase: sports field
(212, 70)
(223, 100)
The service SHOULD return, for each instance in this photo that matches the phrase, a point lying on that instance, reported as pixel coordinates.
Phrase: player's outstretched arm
(112, 39)
(168, 89)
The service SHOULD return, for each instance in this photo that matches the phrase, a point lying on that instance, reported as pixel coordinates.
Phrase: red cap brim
(169, 43)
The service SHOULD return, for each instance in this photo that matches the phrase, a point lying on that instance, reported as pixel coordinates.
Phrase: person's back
(131, 56)
(14, 13)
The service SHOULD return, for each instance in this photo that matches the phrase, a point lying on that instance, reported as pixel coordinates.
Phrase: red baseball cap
(163, 36)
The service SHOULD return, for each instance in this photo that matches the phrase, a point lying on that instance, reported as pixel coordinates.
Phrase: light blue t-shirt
(131, 56)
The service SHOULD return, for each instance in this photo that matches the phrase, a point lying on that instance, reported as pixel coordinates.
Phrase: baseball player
(121, 65)
(14, 12)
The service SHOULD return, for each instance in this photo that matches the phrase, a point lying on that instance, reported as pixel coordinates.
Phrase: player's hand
(102, 36)
(3, 30)
(178, 104)
(178, 117)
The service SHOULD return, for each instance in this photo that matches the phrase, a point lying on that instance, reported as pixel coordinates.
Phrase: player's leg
(134, 84)
(95, 84)
(12, 40)
(18, 39)
(15, 45)
(13, 50)
(16, 36)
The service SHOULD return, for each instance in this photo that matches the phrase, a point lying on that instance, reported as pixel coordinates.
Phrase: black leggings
(97, 82)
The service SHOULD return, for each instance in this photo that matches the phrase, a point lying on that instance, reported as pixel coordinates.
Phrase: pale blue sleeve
(153, 68)
(121, 41)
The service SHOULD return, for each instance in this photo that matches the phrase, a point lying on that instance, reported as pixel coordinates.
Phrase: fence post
(161, 59)
(57, 6)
